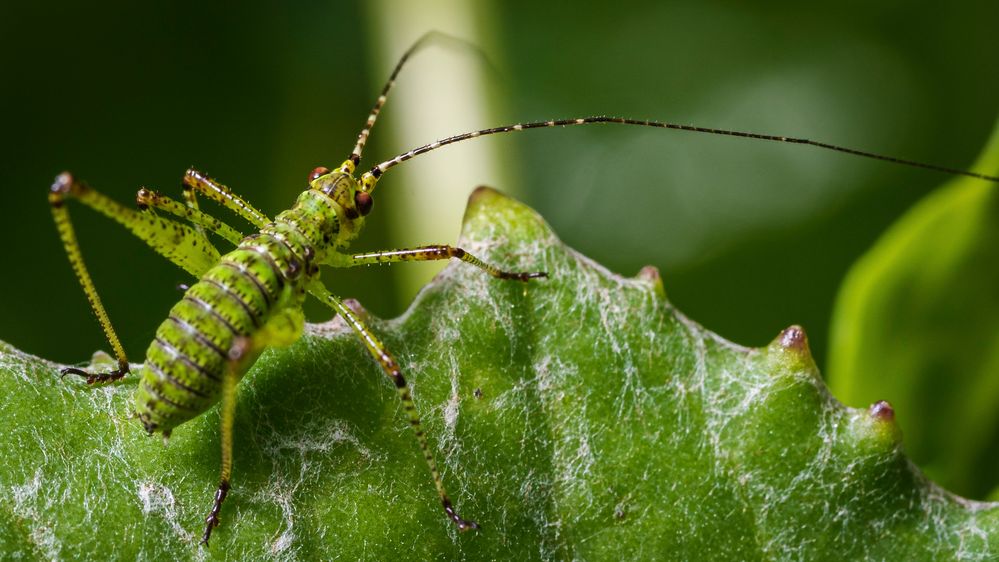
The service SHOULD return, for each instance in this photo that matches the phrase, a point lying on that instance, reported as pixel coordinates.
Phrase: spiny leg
(193, 182)
(178, 243)
(200, 220)
(198, 181)
(284, 328)
(191, 200)
(391, 368)
(69, 241)
(429, 253)
(242, 351)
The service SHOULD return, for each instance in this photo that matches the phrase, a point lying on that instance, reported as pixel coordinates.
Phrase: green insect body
(258, 288)
(251, 298)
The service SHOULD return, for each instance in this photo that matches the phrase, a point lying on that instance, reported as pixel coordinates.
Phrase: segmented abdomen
(185, 363)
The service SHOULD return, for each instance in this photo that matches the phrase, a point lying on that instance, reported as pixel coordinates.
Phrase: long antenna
(362, 138)
(371, 177)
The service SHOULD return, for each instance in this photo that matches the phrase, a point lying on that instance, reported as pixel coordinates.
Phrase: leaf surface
(580, 416)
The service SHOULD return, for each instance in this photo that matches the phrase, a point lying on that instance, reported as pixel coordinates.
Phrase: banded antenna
(371, 177)
(362, 137)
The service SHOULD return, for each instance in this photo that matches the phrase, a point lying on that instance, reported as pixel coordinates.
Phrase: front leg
(430, 253)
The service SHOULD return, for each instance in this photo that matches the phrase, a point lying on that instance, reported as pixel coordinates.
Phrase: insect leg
(178, 243)
(391, 368)
(200, 220)
(431, 253)
(242, 352)
(198, 181)
(191, 199)
(284, 328)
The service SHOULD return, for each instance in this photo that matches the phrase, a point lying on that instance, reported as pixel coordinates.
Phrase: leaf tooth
(650, 274)
(790, 353)
(882, 411)
(794, 338)
(882, 424)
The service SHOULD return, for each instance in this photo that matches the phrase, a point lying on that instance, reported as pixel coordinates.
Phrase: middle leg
(147, 199)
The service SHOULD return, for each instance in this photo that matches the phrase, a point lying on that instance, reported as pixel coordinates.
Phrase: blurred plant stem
(441, 92)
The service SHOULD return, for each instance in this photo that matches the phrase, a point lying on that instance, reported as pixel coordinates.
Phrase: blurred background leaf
(917, 323)
(750, 237)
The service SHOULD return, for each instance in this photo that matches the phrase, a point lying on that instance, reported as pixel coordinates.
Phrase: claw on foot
(463, 525)
(212, 520)
(523, 276)
(95, 378)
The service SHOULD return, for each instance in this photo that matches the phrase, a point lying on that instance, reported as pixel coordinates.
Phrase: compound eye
(317, 172)
(363, 202)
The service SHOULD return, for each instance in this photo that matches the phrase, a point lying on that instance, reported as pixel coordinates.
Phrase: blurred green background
(750, 237)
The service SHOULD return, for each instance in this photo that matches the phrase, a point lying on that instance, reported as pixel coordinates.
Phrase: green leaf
(917, 323)
(575, 417)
